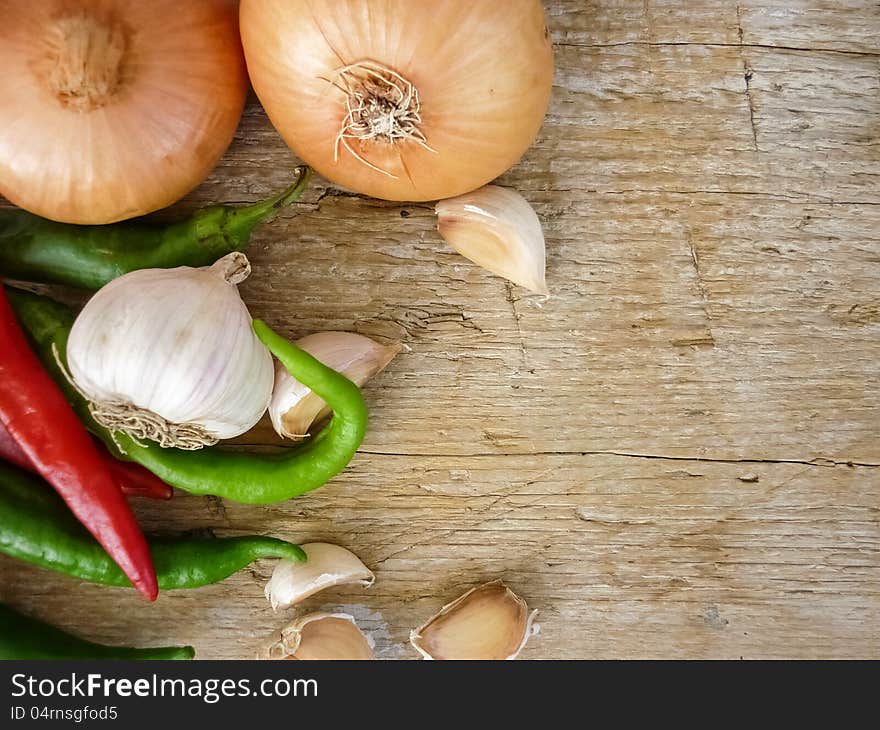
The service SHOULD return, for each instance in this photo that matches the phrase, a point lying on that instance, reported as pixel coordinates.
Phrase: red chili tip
(135, 479)
(155, 494)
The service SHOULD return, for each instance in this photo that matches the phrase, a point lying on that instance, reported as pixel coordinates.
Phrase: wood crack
(516, 317)
(818, 461)
(337, 193)
(747, 74)
(802, 199)
(755, 46)
(709, 340)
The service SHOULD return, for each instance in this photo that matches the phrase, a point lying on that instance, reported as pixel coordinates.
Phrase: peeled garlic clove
(327, 565)
(294, 407)
(497, 228)
(488, 622)
(322, 636)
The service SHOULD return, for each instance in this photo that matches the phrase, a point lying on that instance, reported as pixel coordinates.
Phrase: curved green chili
(37, 527)
(22, 637)
(36, 249)
(235, 475)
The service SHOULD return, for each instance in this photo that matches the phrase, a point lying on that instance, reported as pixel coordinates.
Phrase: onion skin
(115, 108)
(483, 71)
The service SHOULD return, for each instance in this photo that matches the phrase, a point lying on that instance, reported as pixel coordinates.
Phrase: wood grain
(676, 455)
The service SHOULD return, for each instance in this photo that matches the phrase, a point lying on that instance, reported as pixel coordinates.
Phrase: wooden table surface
(675, 455)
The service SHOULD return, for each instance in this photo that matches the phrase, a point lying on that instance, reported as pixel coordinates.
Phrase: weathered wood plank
(623, 557)
(614, 22)
(850, 27)
(664, 331)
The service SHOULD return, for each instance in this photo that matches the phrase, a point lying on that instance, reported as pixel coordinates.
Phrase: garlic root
(327, 566)
(496, 228)
(487, 622)
(294, 407)
(321, 636)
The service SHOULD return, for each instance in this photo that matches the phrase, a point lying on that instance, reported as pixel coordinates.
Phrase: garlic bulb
(169, 355)
(294, 407)
(317, 636)
(487, 622)
(497, 229)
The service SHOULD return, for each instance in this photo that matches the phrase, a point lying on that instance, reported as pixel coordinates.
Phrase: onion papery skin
(115, 108)
(483, 71)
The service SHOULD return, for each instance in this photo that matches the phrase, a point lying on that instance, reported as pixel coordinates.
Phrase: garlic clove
(327, 566)
(321, 636)
(487, 622)
(294, 407)
(496, 228)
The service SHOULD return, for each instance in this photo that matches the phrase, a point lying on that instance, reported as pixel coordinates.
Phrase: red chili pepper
(39, 418)
(133, 479)
(13, 453)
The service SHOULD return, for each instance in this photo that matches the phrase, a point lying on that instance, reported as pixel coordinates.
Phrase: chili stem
(40, 250)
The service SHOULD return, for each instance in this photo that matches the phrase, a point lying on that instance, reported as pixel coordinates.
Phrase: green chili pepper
(27, 638)
(37, 527)
(35, 249)
(234, 475)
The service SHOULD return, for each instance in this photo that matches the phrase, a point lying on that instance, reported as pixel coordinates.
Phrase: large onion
(402, 99)
(114, 108)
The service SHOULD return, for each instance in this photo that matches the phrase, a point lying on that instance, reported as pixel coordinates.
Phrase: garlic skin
(170, 355)
(321, 636)
(294, 407)
(496, 228)
(488, 622)
(326, 565)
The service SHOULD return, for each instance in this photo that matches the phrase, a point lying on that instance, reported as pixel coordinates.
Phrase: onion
(114, 108)
(402, 99)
